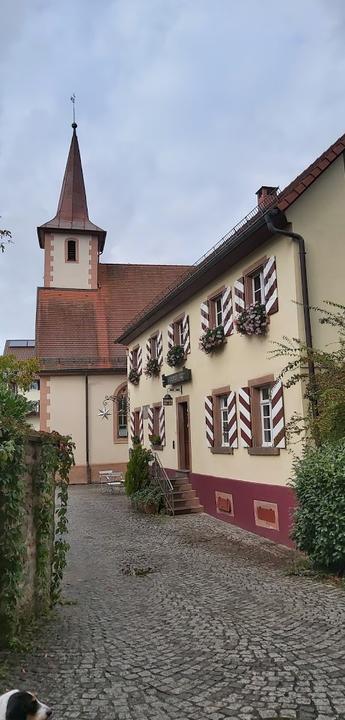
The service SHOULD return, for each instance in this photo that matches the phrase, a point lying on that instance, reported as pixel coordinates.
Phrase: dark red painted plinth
(243, 495)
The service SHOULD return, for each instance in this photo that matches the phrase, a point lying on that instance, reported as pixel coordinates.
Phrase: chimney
(265, 195)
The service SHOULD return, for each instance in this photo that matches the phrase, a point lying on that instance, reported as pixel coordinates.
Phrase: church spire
(72, 203)
(72, 212)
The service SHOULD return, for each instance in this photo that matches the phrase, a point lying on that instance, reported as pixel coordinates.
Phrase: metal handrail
(160, 476)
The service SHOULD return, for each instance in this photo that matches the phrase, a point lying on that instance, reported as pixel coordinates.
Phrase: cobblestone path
(218, 630)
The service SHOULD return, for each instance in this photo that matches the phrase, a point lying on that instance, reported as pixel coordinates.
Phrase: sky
(184, 109)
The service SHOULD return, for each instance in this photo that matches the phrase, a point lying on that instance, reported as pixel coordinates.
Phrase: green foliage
(138, 471)
(175, 356)
(55, 457)
(64, 461)
(149, 499)
(319, 484)
(324, 419)
(52, 471)
(152, 368)
(18, 373)
(133, 376)
(155, 439)
(11, 517)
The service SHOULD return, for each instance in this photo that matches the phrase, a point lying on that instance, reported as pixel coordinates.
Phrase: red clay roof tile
(78, 327)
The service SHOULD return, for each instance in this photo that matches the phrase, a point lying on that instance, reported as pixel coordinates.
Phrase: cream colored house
(82, 307)
(224, 412)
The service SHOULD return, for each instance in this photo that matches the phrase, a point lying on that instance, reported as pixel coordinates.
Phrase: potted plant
(253, 320)
(175, 356)
(134, 376)
(152, 368)
(212, 339)
(155, 440)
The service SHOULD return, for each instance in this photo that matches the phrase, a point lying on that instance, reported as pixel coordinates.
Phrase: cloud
(184, 109)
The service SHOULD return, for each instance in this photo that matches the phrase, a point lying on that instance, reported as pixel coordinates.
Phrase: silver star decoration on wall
(104, 412)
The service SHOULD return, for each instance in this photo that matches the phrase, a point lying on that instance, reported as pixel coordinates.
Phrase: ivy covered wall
(33, 548)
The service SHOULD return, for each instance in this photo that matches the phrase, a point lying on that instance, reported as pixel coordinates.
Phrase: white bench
(110, 480)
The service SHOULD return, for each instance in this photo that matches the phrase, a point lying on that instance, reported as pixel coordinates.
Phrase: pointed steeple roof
(72, 212)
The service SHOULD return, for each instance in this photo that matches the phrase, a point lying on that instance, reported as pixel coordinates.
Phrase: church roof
(72, 212)
(76, 329)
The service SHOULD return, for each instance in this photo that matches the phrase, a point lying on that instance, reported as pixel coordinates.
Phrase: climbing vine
(52, 470)
(52, 461)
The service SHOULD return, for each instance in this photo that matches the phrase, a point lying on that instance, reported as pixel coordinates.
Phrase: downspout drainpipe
(305, 294)
(87, 441)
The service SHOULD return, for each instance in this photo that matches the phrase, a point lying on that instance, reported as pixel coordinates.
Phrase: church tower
(71, 242)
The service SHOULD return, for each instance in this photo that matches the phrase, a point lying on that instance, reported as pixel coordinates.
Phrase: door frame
(179, 400)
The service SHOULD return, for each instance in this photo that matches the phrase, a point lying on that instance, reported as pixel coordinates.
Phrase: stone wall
(34, 596)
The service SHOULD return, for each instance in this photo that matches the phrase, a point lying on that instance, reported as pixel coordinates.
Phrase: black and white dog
(22, 705)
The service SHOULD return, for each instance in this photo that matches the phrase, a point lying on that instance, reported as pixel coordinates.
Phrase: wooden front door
(183, 434)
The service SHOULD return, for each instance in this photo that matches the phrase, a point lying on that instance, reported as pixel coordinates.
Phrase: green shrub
(137, 474)
(148, 498)
(319, 483)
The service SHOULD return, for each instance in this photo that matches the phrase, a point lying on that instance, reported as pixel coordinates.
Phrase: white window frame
(122, 411)
(179, 333)
(266, 403)
(224, 419)
(258, 274)
(218, 310)
(154, 347)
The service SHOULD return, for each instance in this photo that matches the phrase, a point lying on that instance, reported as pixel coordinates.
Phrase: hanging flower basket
(253, 320)
(134, 376)
(152, 368)
(175, 356)
(212, 339)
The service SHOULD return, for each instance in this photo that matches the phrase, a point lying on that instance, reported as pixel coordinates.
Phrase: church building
(83, 306)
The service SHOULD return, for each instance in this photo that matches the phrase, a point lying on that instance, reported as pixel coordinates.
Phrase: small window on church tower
(71, 251)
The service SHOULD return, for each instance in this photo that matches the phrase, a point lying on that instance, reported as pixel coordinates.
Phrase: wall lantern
(167, 400)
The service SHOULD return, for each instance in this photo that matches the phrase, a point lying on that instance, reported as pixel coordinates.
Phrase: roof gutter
(274, 215)
(215, 258)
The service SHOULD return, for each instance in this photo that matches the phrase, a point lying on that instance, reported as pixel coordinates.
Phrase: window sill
(121, 441)
(263, 451)
(222, 451)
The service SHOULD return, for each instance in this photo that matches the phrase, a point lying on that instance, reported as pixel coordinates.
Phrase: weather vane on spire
(74, 124)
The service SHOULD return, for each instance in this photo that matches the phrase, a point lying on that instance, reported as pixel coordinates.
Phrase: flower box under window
(212, 339)
(253, 320)
(176, 356)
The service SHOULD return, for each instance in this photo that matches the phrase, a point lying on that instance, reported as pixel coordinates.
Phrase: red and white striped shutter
(239, 295)
(140, 360)
(278, 423)
(232, 420)
(160, 348)
(228, 320)
(129, 361)
(150, 420)
(170, 336)
(148, 350)
(209, 420)
(186, 336)
(162, 424)
(245, 417)
(141, 426)
(271, 287)
(205, 316)
(132, 425)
